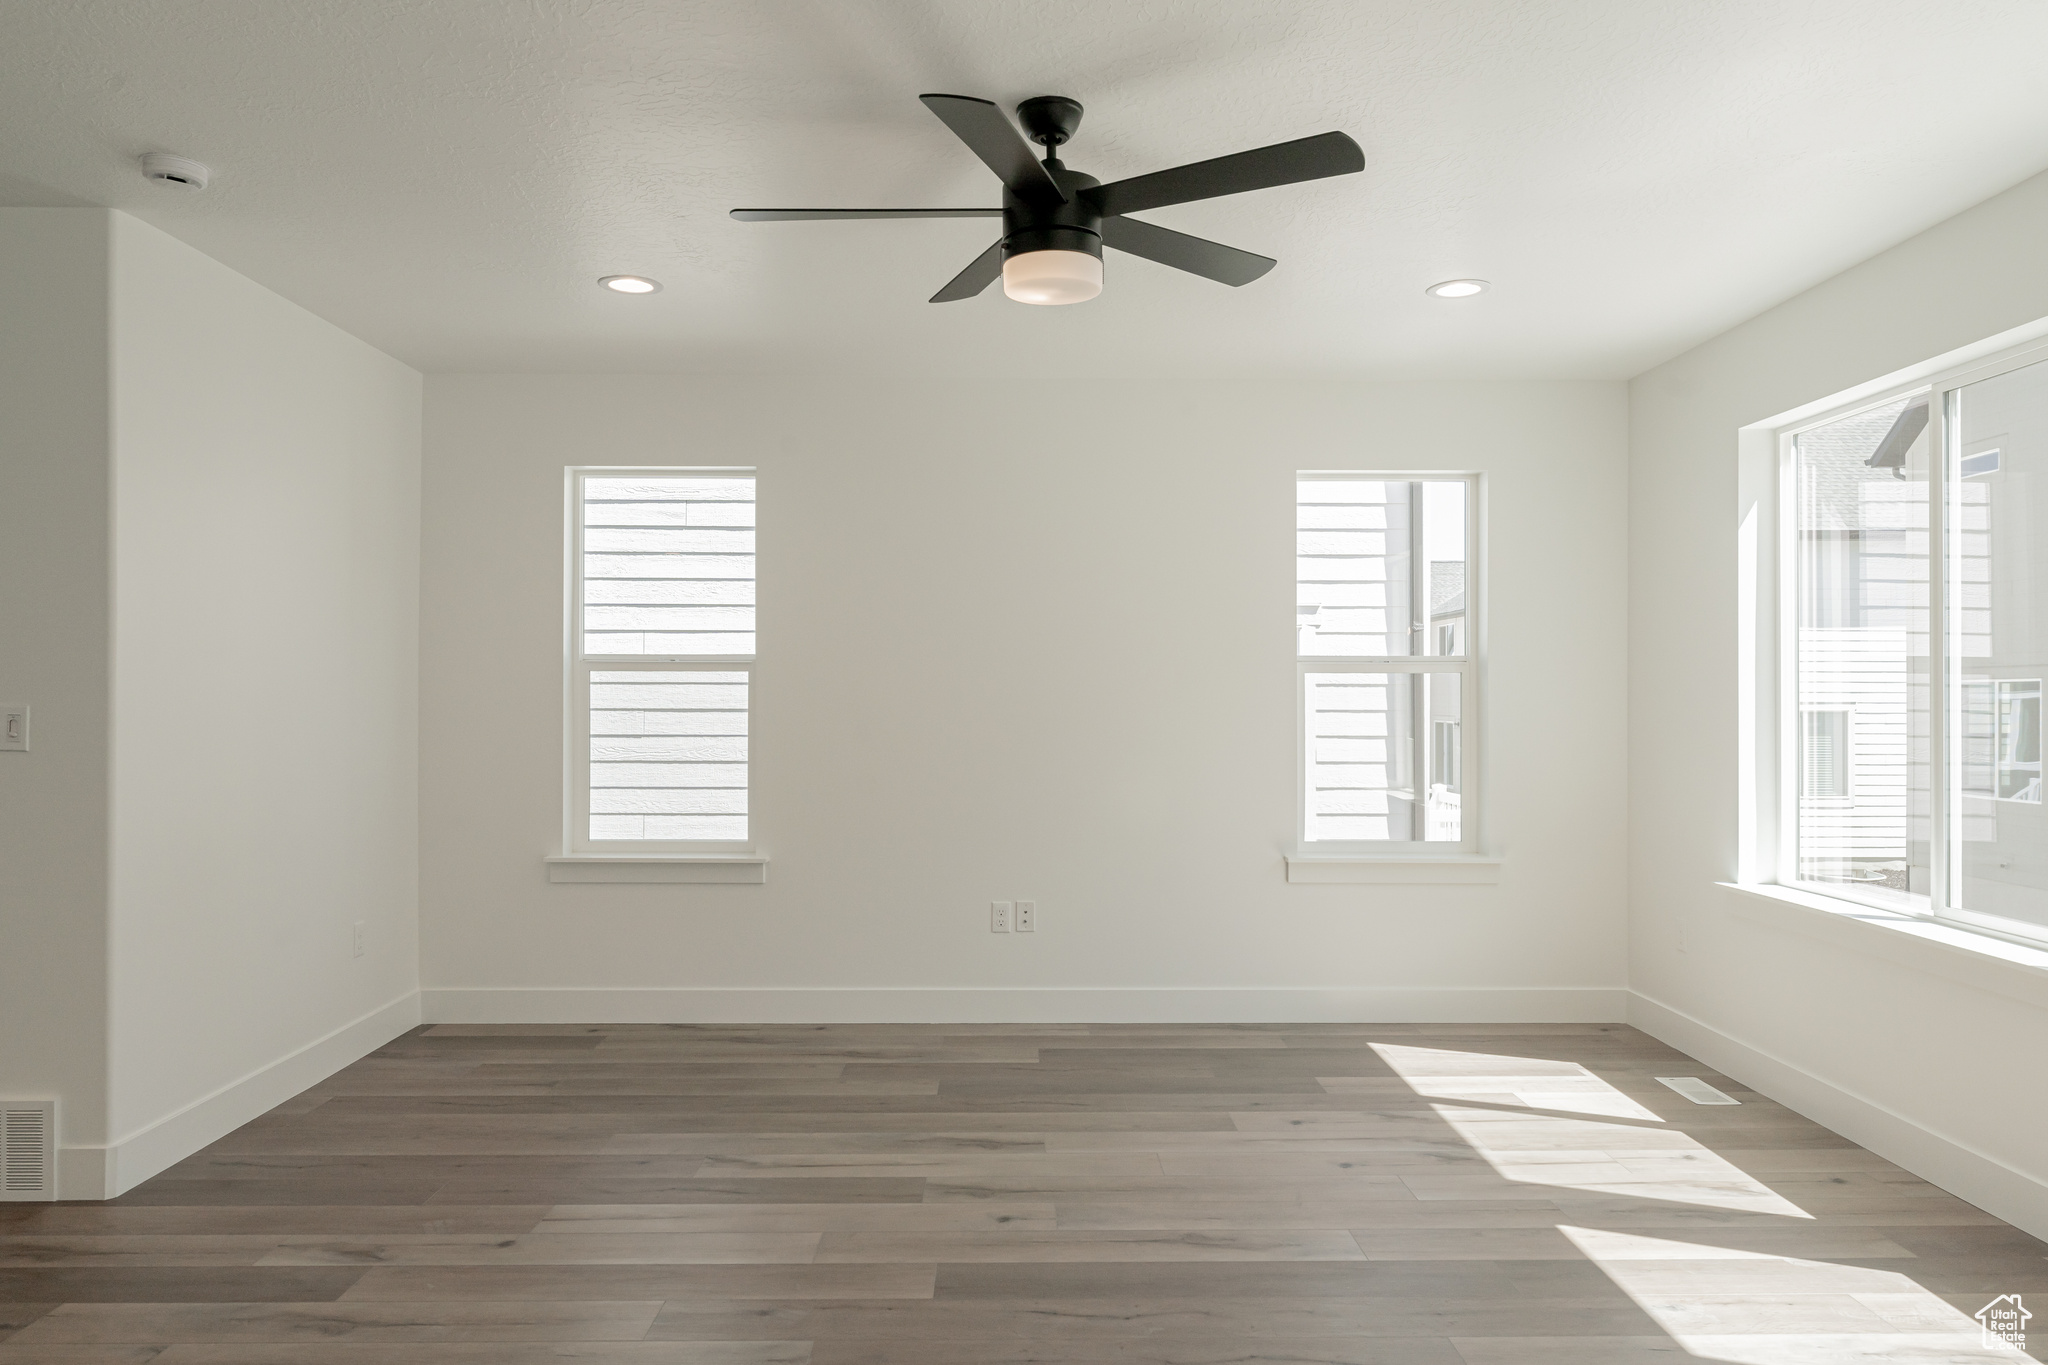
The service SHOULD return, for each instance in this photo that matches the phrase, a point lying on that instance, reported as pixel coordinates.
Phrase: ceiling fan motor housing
(1031, 224)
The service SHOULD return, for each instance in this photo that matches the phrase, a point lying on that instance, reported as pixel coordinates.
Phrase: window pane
(1385, 757)
(1380, 567)
(1443, 557)
(668, 755)
(1998, 633)
(668, 565)
(1862, 653)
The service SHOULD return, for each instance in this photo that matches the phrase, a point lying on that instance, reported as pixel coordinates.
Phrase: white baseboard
(1955, 1166)
(1052, 1005)
(104, 1172)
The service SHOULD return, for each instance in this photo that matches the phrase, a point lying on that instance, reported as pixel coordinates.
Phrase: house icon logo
(2005, 1321)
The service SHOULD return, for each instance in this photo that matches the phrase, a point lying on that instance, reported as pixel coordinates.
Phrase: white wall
(209, 547)
(264, 697)
(54, 656)
(1020, 642)
(1930, 1055)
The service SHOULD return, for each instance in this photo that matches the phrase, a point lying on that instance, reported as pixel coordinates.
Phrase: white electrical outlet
(999, 917)
(1027, 916)
(14, 728)
(359, 938)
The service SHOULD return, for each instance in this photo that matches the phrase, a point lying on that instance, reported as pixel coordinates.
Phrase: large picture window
(1913, 588)
(661, 658)
(1386, 613)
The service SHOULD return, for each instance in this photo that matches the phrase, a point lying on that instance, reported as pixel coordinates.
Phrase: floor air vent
(1697, 1090)
(28, 1149)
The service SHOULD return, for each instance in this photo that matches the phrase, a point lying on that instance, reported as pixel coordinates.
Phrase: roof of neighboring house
(1837, 486)
(1447, 587)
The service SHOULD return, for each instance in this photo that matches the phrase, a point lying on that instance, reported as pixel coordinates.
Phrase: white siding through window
(1343, 565)
(668, 565)
(668, 755)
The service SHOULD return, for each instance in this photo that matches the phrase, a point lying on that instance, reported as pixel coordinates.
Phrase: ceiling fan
(1056, 221)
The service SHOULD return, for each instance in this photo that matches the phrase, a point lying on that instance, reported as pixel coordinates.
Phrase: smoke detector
(166, 169)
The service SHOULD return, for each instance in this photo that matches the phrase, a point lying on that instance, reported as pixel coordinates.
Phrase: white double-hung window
(1387, 592)
(1910, 646)
(661, 659)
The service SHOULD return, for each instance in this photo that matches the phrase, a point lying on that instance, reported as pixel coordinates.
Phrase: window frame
(1779, 731)
(1467, 666)
(578, 667)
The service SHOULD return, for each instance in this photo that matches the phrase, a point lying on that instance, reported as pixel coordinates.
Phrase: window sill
(1985, 961)
(1371, 870)
(747, 869)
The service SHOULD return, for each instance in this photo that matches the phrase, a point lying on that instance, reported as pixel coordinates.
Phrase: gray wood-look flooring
(1317, 1194)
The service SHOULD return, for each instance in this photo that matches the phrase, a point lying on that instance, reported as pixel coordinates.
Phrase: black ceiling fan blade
(1284, 163)
(807, 215)
(980, 273)
(1196, 255)
(990, 135)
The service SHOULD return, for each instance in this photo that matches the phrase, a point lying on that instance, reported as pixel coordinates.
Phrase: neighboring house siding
(1860, 671)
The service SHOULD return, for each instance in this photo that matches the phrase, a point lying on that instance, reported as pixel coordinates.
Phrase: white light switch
(14, 728)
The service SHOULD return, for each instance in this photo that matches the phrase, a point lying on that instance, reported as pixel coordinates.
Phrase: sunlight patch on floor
(1668, 1280)
(1533, 1083)
(1534, 1106)
(1605, 1244)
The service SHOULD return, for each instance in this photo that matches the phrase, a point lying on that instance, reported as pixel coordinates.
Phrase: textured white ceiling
(447, 178)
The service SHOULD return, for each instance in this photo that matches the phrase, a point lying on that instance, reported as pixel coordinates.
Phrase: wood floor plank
(1763, 1349)
(15, 1316)
(1025, 1186)
(176, 1284)
(1195, 1215)
(436, 1169)
(962, 1143)
(1602, 1246)
(1022, 1247)
(469, 1044)
(673, 1218)
(1076, 1170)
(652, 1190)
(674, 1097)
(1111, 1320)
(1306, 1279)
(122, 1250)
(12, 1353)
(468, 1353)
(272, 1192)
(874, 1118)
(451, 1320)
(1143, 1351)
(687, 1248)
(285, 1219)
(645, 1282)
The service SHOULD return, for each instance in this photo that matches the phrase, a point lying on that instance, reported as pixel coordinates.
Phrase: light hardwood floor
(990, 1195)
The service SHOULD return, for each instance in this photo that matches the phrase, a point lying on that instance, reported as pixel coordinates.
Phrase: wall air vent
(28, 1149)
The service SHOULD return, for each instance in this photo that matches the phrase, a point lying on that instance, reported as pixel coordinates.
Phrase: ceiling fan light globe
(1052, 276)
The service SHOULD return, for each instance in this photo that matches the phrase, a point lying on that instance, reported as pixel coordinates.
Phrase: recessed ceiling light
(1457, 289)
(631, 284)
